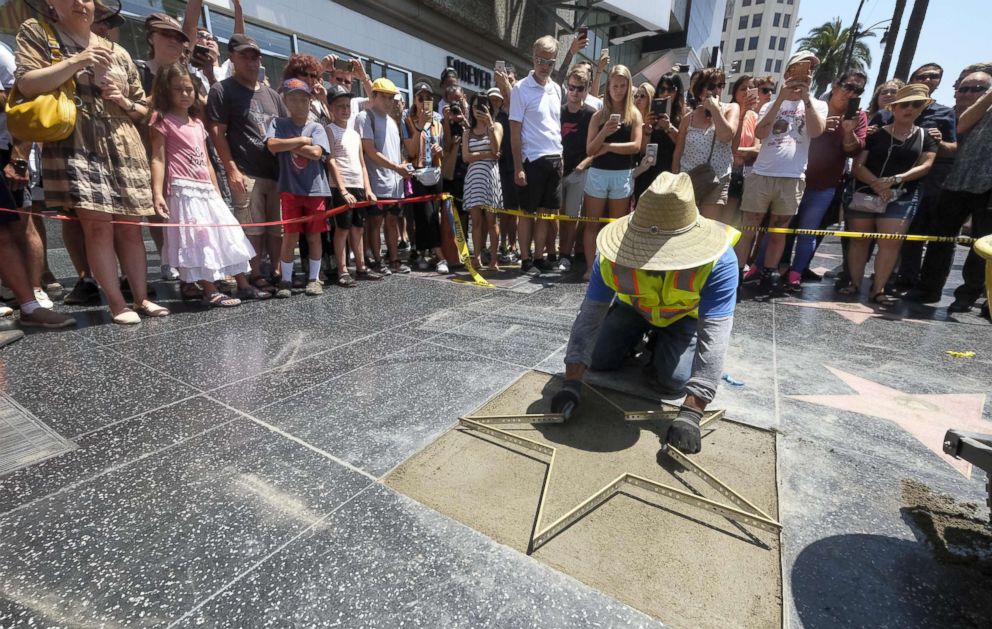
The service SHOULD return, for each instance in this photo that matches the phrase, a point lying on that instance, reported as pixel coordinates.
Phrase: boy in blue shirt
(300, 144)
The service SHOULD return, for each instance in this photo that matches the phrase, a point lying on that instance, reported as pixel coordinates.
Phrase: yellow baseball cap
(385, 86)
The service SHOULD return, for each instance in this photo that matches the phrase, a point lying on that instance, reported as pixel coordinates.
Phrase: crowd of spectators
(193, 140)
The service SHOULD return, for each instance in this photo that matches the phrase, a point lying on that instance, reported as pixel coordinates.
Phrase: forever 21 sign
(471, 74)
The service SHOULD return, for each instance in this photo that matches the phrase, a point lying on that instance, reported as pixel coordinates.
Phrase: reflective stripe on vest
(662, 298)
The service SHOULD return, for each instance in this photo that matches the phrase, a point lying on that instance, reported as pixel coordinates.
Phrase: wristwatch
(897, 179)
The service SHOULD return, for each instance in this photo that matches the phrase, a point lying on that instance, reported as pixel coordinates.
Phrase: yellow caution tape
(463, 254)
(954, 354)
(548, 217)
(963, 240)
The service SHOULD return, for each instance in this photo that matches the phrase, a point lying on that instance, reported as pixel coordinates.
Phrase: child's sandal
(220, 300)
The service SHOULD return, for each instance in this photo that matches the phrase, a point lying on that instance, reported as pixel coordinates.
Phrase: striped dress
(482, 182)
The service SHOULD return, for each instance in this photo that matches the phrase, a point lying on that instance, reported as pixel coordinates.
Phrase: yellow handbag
(46, 118)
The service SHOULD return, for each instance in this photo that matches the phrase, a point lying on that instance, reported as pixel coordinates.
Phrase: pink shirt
(184, 156)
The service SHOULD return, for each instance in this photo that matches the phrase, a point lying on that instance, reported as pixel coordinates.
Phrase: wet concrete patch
(683, 565)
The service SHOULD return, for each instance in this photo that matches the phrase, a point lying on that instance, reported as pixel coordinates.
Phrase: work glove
(567, 399)
(683, 433)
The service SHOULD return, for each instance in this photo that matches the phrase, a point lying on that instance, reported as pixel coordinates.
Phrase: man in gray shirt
(384, 160)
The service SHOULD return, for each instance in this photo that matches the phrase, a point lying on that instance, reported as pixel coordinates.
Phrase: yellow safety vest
(661, 298)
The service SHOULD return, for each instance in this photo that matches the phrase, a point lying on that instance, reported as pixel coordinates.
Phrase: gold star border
(743, 512)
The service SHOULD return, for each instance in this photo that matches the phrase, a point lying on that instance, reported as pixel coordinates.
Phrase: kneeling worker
(668, 269)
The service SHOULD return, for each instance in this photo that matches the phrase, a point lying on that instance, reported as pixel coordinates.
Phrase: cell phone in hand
(799, 71)
(661, 106)
(615, 118)
(500, 66)
(344, 65)
(752, 92)
(679, 68)
(201, 51)
(853, 105)
(582, 31)
(651, 152)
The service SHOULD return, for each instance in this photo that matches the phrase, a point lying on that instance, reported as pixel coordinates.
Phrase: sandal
(126, 317)
(220, 300)
(849, 290)
(883, 300)
(368, 274)
(346, 280)
(150, 309)
(261, 283)
(190, 291)
(253, 292)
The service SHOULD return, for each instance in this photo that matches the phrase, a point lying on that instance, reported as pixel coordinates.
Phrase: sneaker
(766, 281)
(527, 268)
(403, 245)
(383, 268)
(45, 318)
(41, 297)
(314, 288)
(169, 274)
(542, 265)
(565, 264)
(961, 304)
(285, 290)
(792, 282)
(398, 267)
(54, 289)
(930, 297)
(442, 267)
(751, 276)
(84, 292)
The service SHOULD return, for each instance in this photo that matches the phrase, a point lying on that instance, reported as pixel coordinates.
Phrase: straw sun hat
(912, 92)
(665, 232)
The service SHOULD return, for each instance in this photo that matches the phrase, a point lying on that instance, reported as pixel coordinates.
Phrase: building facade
(758, 36)
(404, 40)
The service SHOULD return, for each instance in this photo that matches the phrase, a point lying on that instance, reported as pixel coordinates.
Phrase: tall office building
(758, 36)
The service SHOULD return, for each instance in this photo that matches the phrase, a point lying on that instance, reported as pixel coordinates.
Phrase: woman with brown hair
(100, 172)
(745, 93)
(705, 137)
(614, 138)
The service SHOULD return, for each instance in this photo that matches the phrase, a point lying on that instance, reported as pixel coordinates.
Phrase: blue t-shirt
(717, 299)
(297, 174)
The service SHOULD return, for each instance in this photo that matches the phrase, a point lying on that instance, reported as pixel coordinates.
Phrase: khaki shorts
(781, 194)
(259, 204)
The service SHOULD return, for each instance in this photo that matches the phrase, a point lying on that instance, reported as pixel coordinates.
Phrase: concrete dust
(683, 565)
(959, 533)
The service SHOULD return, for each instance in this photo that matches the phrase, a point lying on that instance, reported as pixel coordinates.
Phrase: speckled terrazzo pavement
(229, 462)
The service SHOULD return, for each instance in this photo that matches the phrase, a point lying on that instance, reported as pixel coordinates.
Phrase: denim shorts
(609, 184)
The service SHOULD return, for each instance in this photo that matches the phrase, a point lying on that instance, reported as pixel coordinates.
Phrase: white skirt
(203, 253)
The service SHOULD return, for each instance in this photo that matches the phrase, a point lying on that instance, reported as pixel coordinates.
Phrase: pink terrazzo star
(926, 416)
(852, 311)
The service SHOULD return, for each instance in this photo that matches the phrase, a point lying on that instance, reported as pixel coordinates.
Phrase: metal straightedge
(743, 512)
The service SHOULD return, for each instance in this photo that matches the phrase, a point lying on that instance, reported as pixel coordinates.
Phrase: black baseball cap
(239, 42)
(448, 71)
(422, 86)
(336, 91)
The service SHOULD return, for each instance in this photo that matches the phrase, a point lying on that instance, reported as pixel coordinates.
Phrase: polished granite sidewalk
(227, 464)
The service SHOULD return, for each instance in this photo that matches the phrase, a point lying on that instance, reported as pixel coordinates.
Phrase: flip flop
(220, 300)
(150, 309)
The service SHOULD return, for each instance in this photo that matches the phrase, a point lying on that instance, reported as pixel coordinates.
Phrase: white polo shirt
(538, 108)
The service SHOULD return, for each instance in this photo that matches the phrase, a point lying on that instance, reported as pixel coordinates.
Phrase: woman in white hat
(663, 268)
(886, 195)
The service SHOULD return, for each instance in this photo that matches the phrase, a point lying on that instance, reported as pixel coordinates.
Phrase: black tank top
(615, 161)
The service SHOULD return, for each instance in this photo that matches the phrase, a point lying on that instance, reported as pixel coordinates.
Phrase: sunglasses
(575, 88)
(768, 90)
(716, 86)
(915, 104)
(541, 61)
(636, 96)
(929, 76)
(974, 89)
(853, 88)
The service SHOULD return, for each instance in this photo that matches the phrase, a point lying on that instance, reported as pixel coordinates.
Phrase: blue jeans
(812, 209)
(674, 349)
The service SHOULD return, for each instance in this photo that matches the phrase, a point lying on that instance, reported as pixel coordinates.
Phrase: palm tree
(829, 43)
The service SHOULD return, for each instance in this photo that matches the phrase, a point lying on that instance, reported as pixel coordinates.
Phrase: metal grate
(24, 439)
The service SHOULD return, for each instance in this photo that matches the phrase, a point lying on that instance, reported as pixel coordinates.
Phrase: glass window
(777, 21)
(752, 44)
(756, 20)
(778, 66)
(768, 62)
(749, 65)
(786, 20)
(319, 50)
(781, 43)
(175, 8)
(771, 42)
(746, 3)
(739, 45)
(742, 23)
(759, 1)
